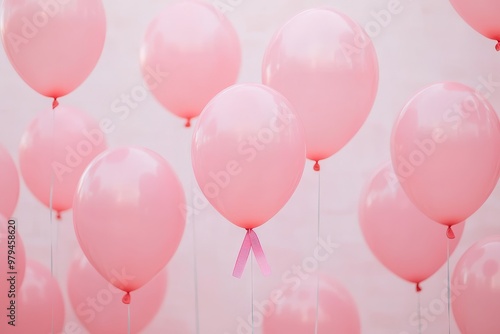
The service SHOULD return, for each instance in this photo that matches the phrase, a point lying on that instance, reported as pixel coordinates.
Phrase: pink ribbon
(251, 242)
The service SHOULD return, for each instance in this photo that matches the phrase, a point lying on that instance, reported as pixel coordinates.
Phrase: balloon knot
(55, 103)
(497, 47)
(316, 166)
(449, 233)
(126, 298)
(188, 123)
(58, 215)
(418, 287)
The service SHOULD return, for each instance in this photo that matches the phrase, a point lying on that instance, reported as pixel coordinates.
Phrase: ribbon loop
(251, 243)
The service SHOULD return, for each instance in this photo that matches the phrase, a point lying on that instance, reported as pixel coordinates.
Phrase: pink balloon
(12, 259)
(56, 147)
(97, 303)
(475, 289)
(38, 298)
(190, 53)
(481, 15)
(128, 215)
(53, 45)
(406, 241)
(9, 183)
(326, 65)
(248, 153)
(446, 151)
(295, 312)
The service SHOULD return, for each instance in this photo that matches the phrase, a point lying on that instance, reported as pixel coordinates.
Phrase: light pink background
(425, 43)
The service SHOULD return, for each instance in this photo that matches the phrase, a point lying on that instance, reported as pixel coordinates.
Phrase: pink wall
(425, 42)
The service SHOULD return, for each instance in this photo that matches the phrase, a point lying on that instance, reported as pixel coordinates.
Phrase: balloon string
(195, 261)
(51, 209)
(251, 280)
(449, 283)
(128, 319)
(419, 314)
(317, 241)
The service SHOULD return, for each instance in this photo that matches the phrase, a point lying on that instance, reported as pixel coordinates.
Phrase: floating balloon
(190, 53)
(53, 45)
(97, 303)
(295, 312)
(248, 155)
(128, 215)
(475, 292)
(446, 151)
(55, 149)
(326, 65)
(9, 184)
(402, 238)
(39, 305)
(481, 15)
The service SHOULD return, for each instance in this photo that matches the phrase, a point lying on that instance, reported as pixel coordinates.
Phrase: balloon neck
(497, 47)
(418, 288)
(55, 103)
(126, 298)
(188, 123)
(58, 215)
(449, 233)
(316, 167)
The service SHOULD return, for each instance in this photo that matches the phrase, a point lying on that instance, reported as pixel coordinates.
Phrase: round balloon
(481, 15)
(475, 292)
(402, 238)
(55, 149)
(104, 312)
(129, 215)
(9, 183)
(189, 54)
(326, 65)
(295, 311)
(53, 45)
(445, 150)
(248, 153)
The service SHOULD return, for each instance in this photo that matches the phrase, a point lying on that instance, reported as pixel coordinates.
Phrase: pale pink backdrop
(425, 42)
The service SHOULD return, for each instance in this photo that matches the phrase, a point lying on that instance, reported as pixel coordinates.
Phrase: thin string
(128, 320)
(195, 252)
(419, 314)
(251, 280)
(51, 212)
(317, 241)
(449, 283)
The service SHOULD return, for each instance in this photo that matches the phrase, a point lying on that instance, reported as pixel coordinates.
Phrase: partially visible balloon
(481, 15)
(248, 153)
(445, 150)
(475, 288)
(190, 53)
(326, 65)
(296, 311)
(129, 215)
(39, 304)
(55, 149)
(9, 184)
(404, 240)
(53, 45)
(107, 314)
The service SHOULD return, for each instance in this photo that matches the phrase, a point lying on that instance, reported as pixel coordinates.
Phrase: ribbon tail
(241, 261)
(259, 253)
